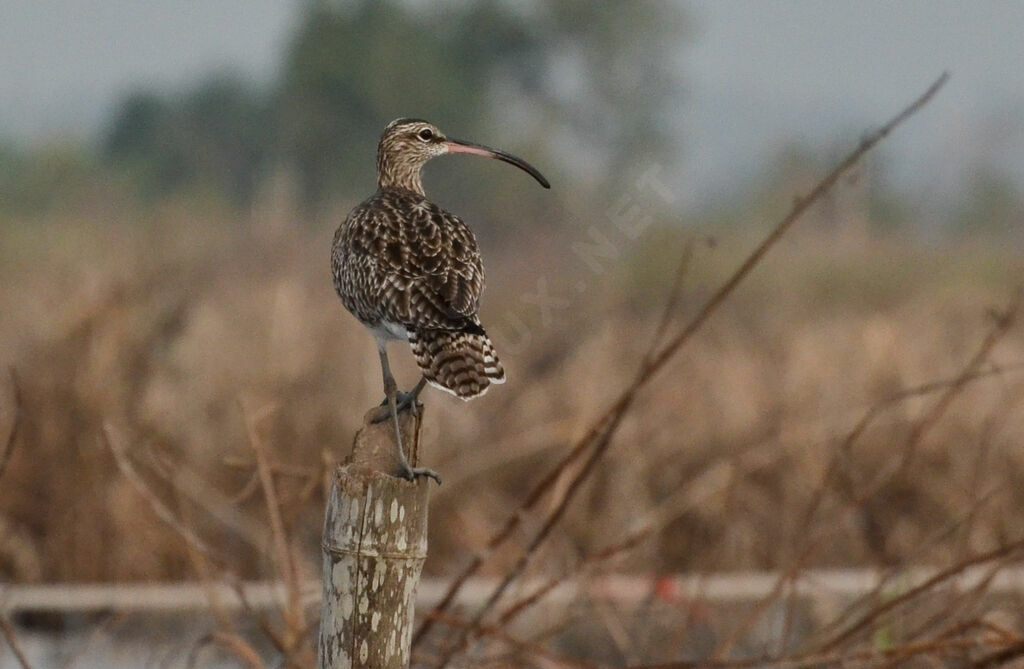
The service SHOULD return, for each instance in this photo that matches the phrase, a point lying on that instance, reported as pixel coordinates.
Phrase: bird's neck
(391, 174)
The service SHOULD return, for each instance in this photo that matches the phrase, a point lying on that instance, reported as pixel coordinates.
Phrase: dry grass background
(171, 326)
(201, 335)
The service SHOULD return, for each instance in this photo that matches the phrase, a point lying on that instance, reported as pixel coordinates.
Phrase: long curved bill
(458, 146)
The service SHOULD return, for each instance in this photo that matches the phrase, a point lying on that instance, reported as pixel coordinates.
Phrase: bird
(410, 271)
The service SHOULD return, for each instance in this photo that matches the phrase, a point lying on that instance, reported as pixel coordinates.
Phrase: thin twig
(253, 482)
(970, 373)
(800, 206)
(12, 640)
(103, 630)
(511, 524)
(232, 643)
(203, 570)
(599, 448)
(953, 632)
(875, 410)
(116, 443)
(248, 490)
(499, 633)
(894, 471)
(672, 302)
(1002, 325)
(12, 436)
(598, 438)
(275, 638)
(1006, 635)
(198, 491)
(883, 585)
(466, 634)
(580, 569)
(1000, 657)
(293, 612)
(885, 580)
(944, 575)
(647, 526)
(957, 602)
(223, 617)
(788, 576)
(288, 469)
(838, 659)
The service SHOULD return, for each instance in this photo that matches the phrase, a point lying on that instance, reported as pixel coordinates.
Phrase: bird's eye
(426, 135)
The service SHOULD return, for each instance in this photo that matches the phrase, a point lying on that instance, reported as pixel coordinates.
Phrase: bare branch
(580, 569)
(672, 302)
(999, 658)
(511, 524)
(800, 206)
(872, 656)
(8, 447)
(497, 632)
(12, 640)
(1002, 325)
(293, 611)
(928, 584)
(232, 643)
(116, 443)
(466, 634)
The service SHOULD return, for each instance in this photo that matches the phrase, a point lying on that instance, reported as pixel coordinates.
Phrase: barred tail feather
(462, 363)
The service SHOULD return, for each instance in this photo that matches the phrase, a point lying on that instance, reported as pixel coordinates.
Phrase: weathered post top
(374, 543)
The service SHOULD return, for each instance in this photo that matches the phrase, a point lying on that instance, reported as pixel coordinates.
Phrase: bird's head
(408, 143)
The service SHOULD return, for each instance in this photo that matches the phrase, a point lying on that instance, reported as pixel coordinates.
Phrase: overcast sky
(764, 74)
(760, 74)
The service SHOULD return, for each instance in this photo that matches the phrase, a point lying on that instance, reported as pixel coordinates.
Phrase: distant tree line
(585, 89)
(597, 79)
(216, 136)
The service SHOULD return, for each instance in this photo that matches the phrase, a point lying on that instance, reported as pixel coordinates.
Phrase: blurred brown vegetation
(178, 328)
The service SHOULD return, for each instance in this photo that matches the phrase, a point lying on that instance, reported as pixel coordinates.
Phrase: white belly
(388, 330)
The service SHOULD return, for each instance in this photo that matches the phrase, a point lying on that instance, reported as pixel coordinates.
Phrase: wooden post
(374, 542)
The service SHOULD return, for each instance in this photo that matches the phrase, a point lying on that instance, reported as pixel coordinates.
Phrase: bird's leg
(391, 390)
(410, 400)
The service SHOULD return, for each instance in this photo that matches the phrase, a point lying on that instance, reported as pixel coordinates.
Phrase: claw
(409, 401)
(412, 473)
(387, 412)
(403, 401)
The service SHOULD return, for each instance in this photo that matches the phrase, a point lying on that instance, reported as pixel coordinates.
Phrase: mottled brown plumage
(409, 270)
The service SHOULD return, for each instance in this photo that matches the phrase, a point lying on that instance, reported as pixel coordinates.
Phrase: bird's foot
(409, 401)
(412, 473)
(402, 402)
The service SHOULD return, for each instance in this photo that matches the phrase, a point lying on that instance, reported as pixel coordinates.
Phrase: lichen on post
(374, 542)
